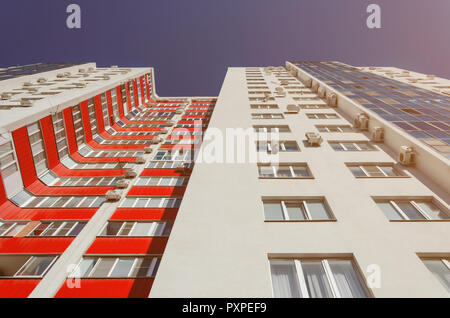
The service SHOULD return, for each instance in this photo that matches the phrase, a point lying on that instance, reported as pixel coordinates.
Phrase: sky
(190, 43)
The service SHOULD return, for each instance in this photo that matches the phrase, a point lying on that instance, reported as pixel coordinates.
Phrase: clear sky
(192, 42)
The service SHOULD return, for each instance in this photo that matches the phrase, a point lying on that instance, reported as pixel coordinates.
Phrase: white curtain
(284, 279)
(349, 284)
(316, 280)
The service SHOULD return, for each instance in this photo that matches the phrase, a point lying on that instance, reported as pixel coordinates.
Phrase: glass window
(295, 211)
(441, 270)
(284, 279)
(347, 279)
(357, 171)
(122, 267)
(103, 267)
(36, 266)
(431, 210)
(317, 210)
(273, 211)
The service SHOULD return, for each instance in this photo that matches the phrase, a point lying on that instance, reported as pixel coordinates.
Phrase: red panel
(144, 214)
(48, 135)
(128, 245)
(135, 91)
(141, 83)
(3, 197)
(9, 211)
(86, 121)
(99, 113)
(108, 288)
(109, 103)
(39, 188)
(157, 191)
(34, 245)
(161, 173)
(24, 156)
(149, 97)
(70, 130)
(17, 288)
(119, 101)
(127, 88)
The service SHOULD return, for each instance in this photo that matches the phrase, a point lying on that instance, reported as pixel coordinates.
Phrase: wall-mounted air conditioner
(377, 134)
(113, 196)
(406, 156)
(362, 121)
(332, 100)
(313, 139)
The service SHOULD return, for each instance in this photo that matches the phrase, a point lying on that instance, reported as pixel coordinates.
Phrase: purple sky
(192, 42)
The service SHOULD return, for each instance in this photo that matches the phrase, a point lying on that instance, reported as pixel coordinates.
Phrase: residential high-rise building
(316, 179)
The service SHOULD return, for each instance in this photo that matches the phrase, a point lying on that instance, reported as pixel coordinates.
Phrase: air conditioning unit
(377, 134)
(79, 85)
(148, 150)
(90, 69)
(431, 77)
(26, 103)
(332, 100)
(114, 66)
(308, 83)
(122, 184)
(60, 75)
(315, 87)
(292, 109)
(67, 74)
(179, 112)
(5, 96)
(113, 196)
(170, 123)
(81, 70)
(106, 78)
(362, 121)
(406, 156)
(279, 89)
(140, 160)
(41, 80)
(321, 92)
(27, 84)
(130, 173)
(314, 139)
(156, 140)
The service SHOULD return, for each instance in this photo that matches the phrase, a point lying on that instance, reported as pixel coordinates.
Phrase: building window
(375, 171)
(117, 267)
(69, 228)
(160, 181)
(8, 165)
(322, 116)
(267, 116)
(316, 278)
(412, 210)
(296, 210)
(26, 200)
(334, 129)
(352, 146)
(284, 171)
(440, 268)
(37, 148)
(26, 266)
(137, 229)
(271, 129)
(270, 146)
(264, 106)
(151, 203)
(11, 228)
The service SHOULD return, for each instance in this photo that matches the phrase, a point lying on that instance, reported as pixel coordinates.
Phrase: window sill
(299, 221)
(419, 221)
(288, 178)
(384, 177)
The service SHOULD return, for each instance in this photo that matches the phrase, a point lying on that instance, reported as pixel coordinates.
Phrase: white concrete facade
(220, 245)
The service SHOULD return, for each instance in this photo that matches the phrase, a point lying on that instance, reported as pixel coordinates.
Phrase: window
(296, 210)
(411, 210)
(69, 228)
(274, 129)
(139, 202)
(334, 129)
(267, 116)
(26, 200)
(316, 278)
(160, 181)
(322, 116)
(8, 164)
(117, 267)
(10, 228)
(351, 146)
(37, 148)
(167, 165)
(284, 171)
(26, 266)
(137, 228)
(271, 146)
(440, 268)
(375, 171)
(264, 106)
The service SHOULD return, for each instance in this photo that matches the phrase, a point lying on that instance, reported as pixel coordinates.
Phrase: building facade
(316, 179)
